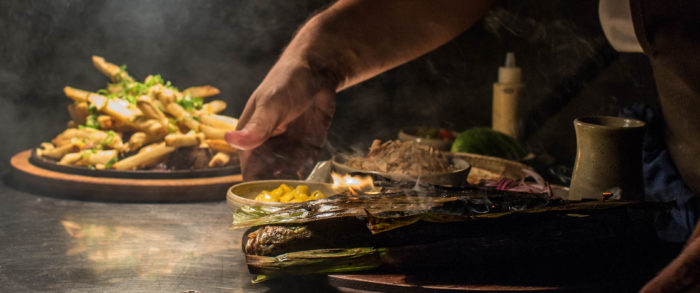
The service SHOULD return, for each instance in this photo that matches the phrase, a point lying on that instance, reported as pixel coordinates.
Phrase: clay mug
(608, 158)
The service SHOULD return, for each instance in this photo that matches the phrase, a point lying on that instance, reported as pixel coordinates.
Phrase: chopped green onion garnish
(111, 162)
(191, 103)
(110, 137)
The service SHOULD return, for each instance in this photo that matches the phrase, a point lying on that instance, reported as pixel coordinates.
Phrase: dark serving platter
(135, 174)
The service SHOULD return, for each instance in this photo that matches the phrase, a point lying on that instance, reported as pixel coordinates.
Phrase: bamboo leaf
(390, 211)
(379, 224)
(319, 261)
(462, 205)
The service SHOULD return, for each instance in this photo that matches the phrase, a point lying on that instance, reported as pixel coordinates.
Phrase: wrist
(320, 48)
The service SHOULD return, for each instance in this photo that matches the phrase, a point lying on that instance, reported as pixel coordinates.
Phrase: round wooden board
(25, 175)
(360, 283)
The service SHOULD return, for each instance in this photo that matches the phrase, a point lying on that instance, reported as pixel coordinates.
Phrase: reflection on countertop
(51, 244)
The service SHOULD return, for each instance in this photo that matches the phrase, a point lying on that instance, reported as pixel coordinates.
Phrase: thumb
(251, 136)
(262, 124)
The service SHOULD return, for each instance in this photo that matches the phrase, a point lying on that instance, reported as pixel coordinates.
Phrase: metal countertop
(51, 244)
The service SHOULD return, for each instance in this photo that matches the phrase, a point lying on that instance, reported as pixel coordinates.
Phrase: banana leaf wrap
(418, 230)
(319, 261)
(395, 209)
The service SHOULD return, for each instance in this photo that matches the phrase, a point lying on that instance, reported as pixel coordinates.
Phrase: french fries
(121, 110)
(220, 145)
(69, 159)
(219, 160)
(182, 140)
(212, 132)
(214, 107)
(136, 141)
(183, 116)
(219, 121)
(85, 135)
(93, 158)
(150, 155)
(131, 125)
(57, 153)
(204, 91)
(150, 109)
(114, 72)
(78, 112)
(106, 122)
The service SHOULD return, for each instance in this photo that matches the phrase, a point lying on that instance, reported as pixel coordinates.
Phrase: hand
(284, 123)
(683, 273)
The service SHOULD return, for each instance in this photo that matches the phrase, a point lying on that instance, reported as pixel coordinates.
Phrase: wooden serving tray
(368, 283)
(27, 176)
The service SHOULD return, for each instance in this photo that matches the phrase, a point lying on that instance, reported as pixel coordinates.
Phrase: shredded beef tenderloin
(397, 157)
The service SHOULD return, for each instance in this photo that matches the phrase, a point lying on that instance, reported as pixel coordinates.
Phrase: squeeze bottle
(507, 99)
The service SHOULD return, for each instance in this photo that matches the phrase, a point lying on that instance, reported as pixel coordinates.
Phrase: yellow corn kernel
(302, 189)
(317, 194)
(265, 196)
(284, 193)
(287, 197)
(285, 188)
(299, 197)
(281, 190)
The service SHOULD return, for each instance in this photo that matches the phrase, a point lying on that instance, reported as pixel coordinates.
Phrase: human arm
(286, 118)
(683, 273)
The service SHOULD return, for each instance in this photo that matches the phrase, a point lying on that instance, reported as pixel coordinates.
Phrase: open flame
(353, 184)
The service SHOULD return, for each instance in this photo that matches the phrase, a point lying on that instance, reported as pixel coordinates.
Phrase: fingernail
(242, 139)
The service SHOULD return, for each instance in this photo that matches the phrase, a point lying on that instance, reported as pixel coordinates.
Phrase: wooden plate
(360, 283)
(27, 176)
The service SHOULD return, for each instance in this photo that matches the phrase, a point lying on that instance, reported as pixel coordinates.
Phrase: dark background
(569, 68)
